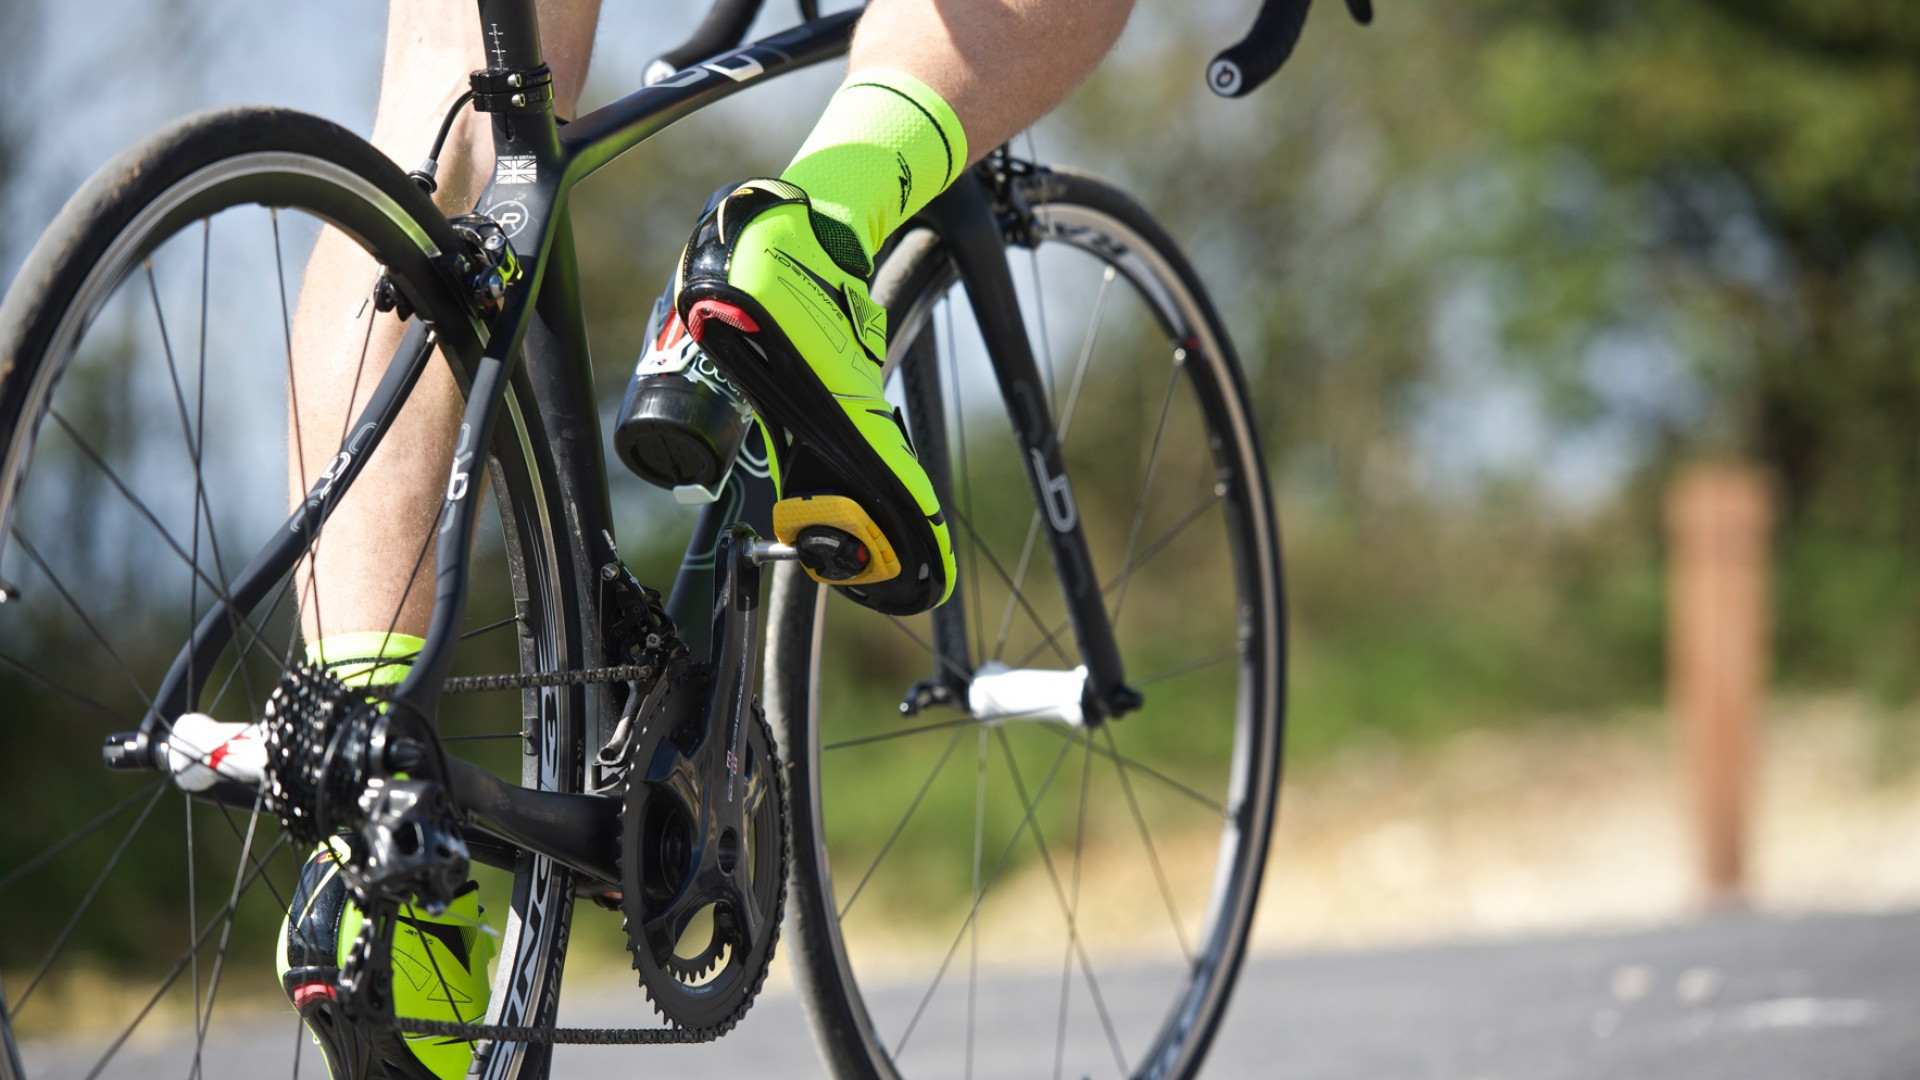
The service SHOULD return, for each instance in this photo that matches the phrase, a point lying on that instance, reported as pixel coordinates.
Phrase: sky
(108, 71)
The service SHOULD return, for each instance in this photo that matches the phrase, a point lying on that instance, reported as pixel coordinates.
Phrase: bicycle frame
(537, 348)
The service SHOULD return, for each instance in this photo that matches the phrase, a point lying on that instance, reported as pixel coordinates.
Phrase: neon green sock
(370, 658)
(884, 147)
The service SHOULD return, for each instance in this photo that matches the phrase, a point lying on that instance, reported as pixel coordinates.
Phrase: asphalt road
(1830, 998)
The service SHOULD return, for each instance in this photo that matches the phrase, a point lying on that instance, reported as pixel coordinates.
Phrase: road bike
(1067, 773)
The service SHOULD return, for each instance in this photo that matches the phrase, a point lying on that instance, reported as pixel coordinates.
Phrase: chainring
(700, 959)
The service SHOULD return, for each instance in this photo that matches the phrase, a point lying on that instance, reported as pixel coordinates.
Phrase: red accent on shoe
(725, 312)
(309, 991)
(671, 333)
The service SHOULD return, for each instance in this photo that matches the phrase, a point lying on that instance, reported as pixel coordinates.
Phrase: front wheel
(982, 889)
(147, 365)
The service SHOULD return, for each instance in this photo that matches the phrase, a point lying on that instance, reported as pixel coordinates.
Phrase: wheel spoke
(1146, 839)
(413, 575)
(239, 669)
(99, 822)
(226, 814)
(943, 659)
(119, 663)
(346, 424)
(1049, 637)
(226, 930)
(966, 472)
(86, 901)
(1119, 580)
(1090, 338)
(1014, 585)
(1040, 309)
(973, 931)
(1190, 666)
(1000, 865)
(187, 435)
(193, 930)
(489, 628)
(901, 826)
(1144, 769)
(1075, 946)
(900, 734)
(173, 974)
(293, 404)
(1073, 908)
(1146, 481)
(48, 684)
(446, 988)
(139, 506)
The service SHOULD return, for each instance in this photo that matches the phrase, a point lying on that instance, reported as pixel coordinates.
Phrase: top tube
(604, 134)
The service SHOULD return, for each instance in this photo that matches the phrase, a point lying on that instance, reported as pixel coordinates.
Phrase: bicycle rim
(150, 457)
(1012, 894)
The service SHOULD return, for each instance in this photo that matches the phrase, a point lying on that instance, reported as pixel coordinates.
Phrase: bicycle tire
(68, 352)
(849, 962)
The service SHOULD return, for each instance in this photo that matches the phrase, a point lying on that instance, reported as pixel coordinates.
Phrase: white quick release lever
(999, 692)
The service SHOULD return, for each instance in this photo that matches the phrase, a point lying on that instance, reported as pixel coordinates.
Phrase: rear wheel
(995, 889)
(145, 375)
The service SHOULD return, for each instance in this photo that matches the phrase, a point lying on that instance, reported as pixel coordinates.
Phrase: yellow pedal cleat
(838, 541)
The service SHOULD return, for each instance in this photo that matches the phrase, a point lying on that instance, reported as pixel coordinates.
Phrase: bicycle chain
(647, 628)
(447, 1029)
(473, 684)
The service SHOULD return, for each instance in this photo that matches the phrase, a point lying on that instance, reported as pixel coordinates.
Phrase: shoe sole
(749, 348)
(348, 1050)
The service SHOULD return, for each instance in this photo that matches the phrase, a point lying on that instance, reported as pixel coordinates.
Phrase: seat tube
(511, 31)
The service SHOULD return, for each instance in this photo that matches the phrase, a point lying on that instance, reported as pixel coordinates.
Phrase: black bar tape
(1241, 68)
(724, 27)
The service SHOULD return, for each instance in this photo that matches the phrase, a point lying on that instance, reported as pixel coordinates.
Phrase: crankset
(703, 862)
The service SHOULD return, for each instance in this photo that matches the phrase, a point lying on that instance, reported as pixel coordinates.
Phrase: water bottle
(682, 423)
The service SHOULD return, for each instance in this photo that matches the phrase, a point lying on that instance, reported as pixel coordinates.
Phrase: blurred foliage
(1499, 269)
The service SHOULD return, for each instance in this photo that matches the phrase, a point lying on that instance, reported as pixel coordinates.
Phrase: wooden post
(1718, 519)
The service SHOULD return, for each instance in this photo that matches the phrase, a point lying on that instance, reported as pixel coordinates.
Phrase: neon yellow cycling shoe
(776, 294)
(439, 973)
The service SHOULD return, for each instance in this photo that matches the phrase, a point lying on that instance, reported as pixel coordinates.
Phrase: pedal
(834, 536)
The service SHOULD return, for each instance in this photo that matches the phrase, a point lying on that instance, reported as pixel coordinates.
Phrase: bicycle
(617, 718)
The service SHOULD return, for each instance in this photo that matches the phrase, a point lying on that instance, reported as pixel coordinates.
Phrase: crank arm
(718, 806)
(736, 657)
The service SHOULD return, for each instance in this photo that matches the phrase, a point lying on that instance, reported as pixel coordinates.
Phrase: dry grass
(1562, 826)
(1550, 827)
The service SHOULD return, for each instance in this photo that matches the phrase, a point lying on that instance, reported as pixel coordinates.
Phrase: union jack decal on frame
(517, 170)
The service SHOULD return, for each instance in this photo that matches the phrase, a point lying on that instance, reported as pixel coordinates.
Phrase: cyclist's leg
(364, 579)
(369, 590)
(773, 282)
(1000, 67)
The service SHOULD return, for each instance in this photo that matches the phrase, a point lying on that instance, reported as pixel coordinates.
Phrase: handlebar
(1236, 72)
(1242, 67)
(725, 26)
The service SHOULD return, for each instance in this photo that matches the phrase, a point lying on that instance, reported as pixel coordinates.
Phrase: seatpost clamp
(511, 91)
